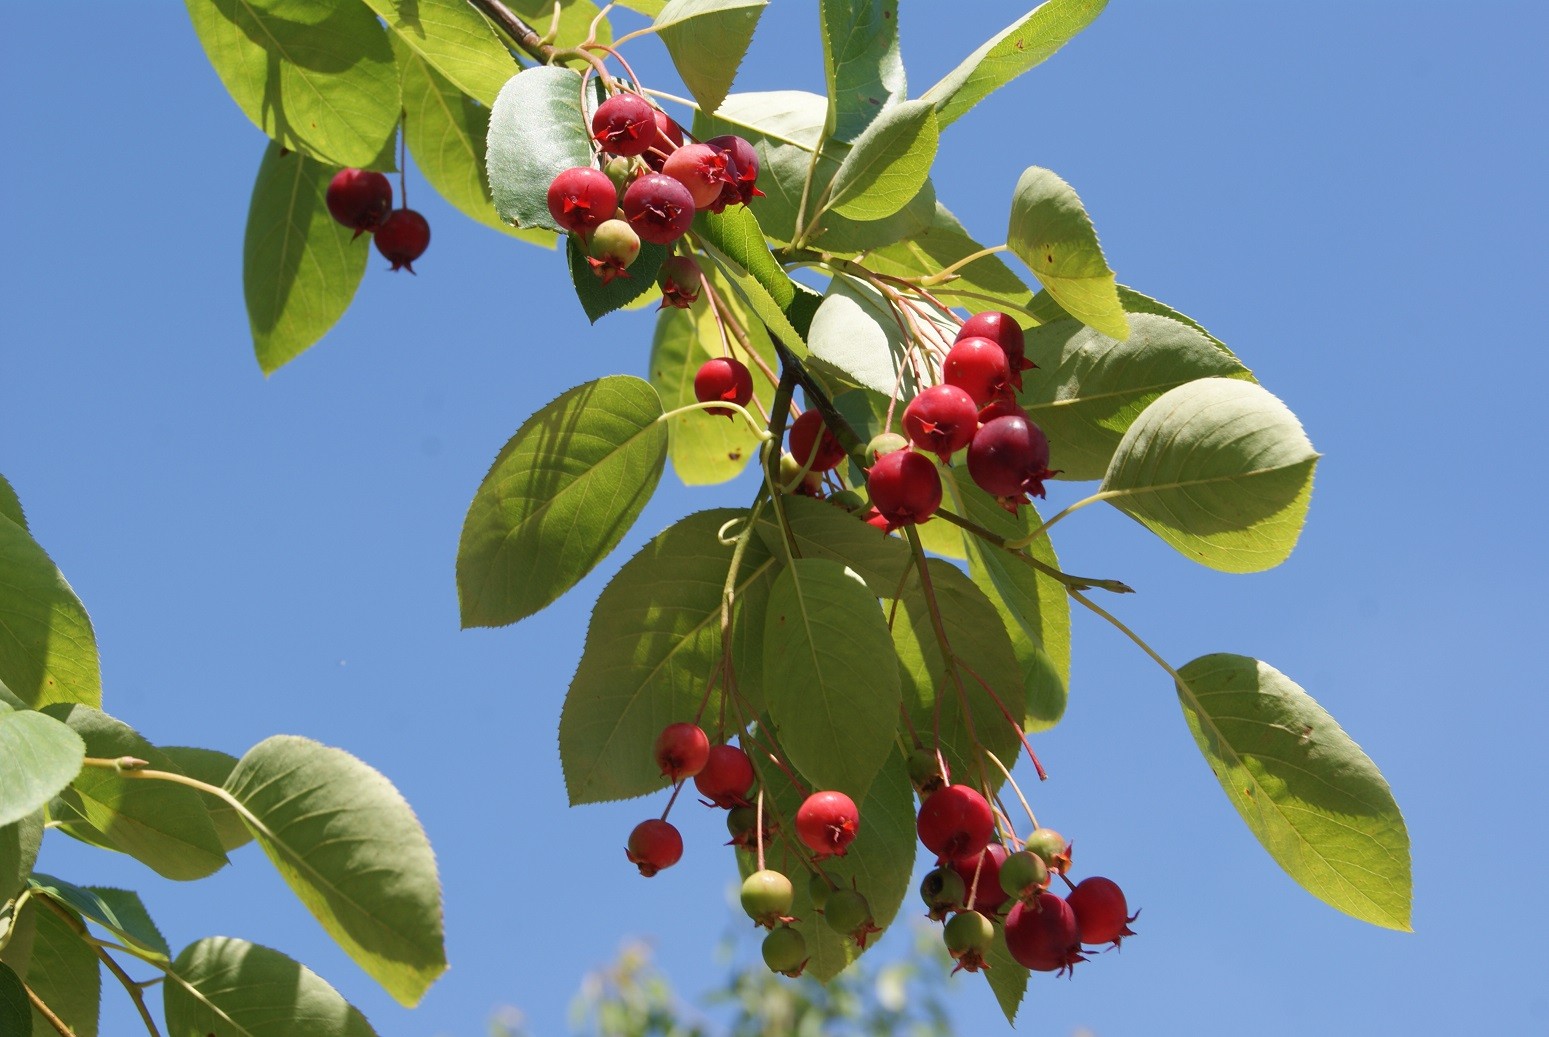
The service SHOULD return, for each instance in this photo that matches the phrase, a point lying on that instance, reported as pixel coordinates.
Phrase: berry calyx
(624, 124)
(1052, 847)
(659, 208)
(402, 238)
(943, 891)
(614, 246)
(785, 951)
(987, 894)
(723, 379)
(653, 845)
(767, 897)
(848, 913)
(941, 419)
(1004, 331)
(925, 771)
(582, 198)
(968, 936)
(1102, 916)
(1024, 875)
(682, 750)
(1042, 935)
(827, 822)
(700, 168)
(679, 280)
(978, 366)
(359, 199)
(1009, 458)
(905, 487)
(742, 164)
(955, 822)
(726, 777)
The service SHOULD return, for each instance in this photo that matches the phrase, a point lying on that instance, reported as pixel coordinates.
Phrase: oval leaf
(233, 988)
(19, 844)
(213, 768)
(888, 164)
(856, 335)
(861, 62)
(829, 681)
(1219, 469)
(15, 1009)
(41, 757)
(455, 40)
(536, 132)
(562, 493)
(941, 243)
(1315, 801)
(49, 955)
(707, 40)
(1051, 232)
(352, 850)
(599, 298)
(820, 530)
(48, 652)
(115, 909)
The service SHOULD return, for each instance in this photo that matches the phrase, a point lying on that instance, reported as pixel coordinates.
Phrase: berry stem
(403, 159)
(674, 797)
(758, 827)
(946, 273)
(47, 1013)
(747, 415)
(1014, 787)
(1021, 542)
(1021, 735)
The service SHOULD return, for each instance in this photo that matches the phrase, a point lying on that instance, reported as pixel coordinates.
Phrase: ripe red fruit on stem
(653, 845)
(955, 822)
(402, 238)
(726, 778)
(700, 168)
(581, 198)
(742, 163)
(905, 487)
(1042, 935)
(624, 124)
(659, 208)
(1101, 913)
(723, 378)
(825, 452)
(669, 137)
(1002, 329)
(988, 895)
(682, 750)
(978, 366)
(359, 199)
(941, 419)
(1009, 457)
(827, 822)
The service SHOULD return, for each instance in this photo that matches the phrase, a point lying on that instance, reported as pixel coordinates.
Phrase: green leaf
(115, 909)
(1006, 976)
(861, 62)
(163, 825)
(707, 40)
(1047, 311)
(575, 19)
(59, 966)
(1219, 469)
(446, 131)
(821, 530)
(599, 299)
(19, 845)
(41, 757)
(300, 268)
(888, 164)
(213, 768)
(11, 505)
(15, 1009)
(536, 132)
(829, 683)
(1315, 801)
(962, 703)
(856, 335)
(563, 492)
(48, 652)
(734, 240)
(1051, 232)
(1029, 41)
(652, 645)
(324, 86)
(1090, 388)
(352, 850)
(939, 245)
(456, 41)
(231, 988)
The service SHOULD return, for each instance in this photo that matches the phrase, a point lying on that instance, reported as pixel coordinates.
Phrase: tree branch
(522, 34)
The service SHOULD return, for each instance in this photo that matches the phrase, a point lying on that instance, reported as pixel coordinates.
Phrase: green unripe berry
(621, 171)
(785, 951)
(968, 931)
(849, 500)
(925, 771)
(849, 914)
(943, 890)
(615, 242)
(1051, 846)
(1024, 875)
(818, 889)
(767, 897)
(883, 443)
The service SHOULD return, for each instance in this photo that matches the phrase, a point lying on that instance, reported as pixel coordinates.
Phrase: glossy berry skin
(987, 895)
(1004, 331)
(767, 897)
(968, 936)
(669, 137)
(402, 238)
(680, 280)
(955, 822)
(723, 379)
(1101, 913)
(1009, 457)
(942, 420)
(785, 951)
(804, 437)
(659, 208)
(848, 913)
(726, 778)
(613, 249)
(700, 168)
(1024, 875)
(1042, 935)
(581, 198)
(943, 891)
(360, 199)
(905, 487)
(827, 822)
(883, 443)
(978, 366)
(682, 750)
(1051, 846)
(653, 845)
(742, 163)
(624, 124)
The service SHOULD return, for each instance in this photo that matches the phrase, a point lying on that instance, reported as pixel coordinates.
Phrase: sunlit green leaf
(48, 954)
(536, 132)
(456, 41)
(598, 297)
(212, 768)
(19, 845)
(231, 988)
(41, 757)
(985, 284)
(820, 530)
(11, 505)
(888, 163)
(707, 40)
(1051, 232)
(861, 61)
(48, 652)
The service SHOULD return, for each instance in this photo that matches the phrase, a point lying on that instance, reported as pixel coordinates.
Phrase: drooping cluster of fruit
(649, 190)
(362, 200)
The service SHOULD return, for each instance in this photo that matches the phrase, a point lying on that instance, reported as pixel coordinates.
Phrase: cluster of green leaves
(336, 830)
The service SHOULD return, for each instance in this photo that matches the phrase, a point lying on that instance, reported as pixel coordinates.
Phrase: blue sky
(1350, 195)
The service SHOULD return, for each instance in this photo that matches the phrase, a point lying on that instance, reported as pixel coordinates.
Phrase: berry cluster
(362, 200)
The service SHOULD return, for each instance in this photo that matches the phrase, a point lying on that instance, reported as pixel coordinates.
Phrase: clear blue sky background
(1350, 194)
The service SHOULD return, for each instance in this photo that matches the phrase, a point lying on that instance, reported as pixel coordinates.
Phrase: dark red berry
(987, 895)
(402, 238)
(742, 163)
(700, 168)
(978, 366)
(825, 453)
(827, 822)
(682, 751)
(680, 279)
(359, 199)
(1009, 457)
(941, 419)
(1042, 934)
(1002, 329)
(726, 778)
(654, 845)
(1004, 407)
(1101, 913)
(624, 124)
(723, 378)
(669, 137)
(659, 208)
(582, 198)
(955, 822)
(905, 487)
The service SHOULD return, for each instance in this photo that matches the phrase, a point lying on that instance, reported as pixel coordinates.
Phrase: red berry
(742, 163)
(624, 124)
(1009, 457)
(659, 208)
(827, 822)
(680, 279)
(402, 238)
(682, 750)
(1002, 329)
(359, 199)
(1006, 406)
(723, 378)
(1101, 913)
(1042, 934)
(987, 896)
(726, 777)
(582, 198)
(700, 168)
(905, 487)
(669, 137)
(955, 822)
(654, 845)
(825, 452)
(978, 366)
(941, 419)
